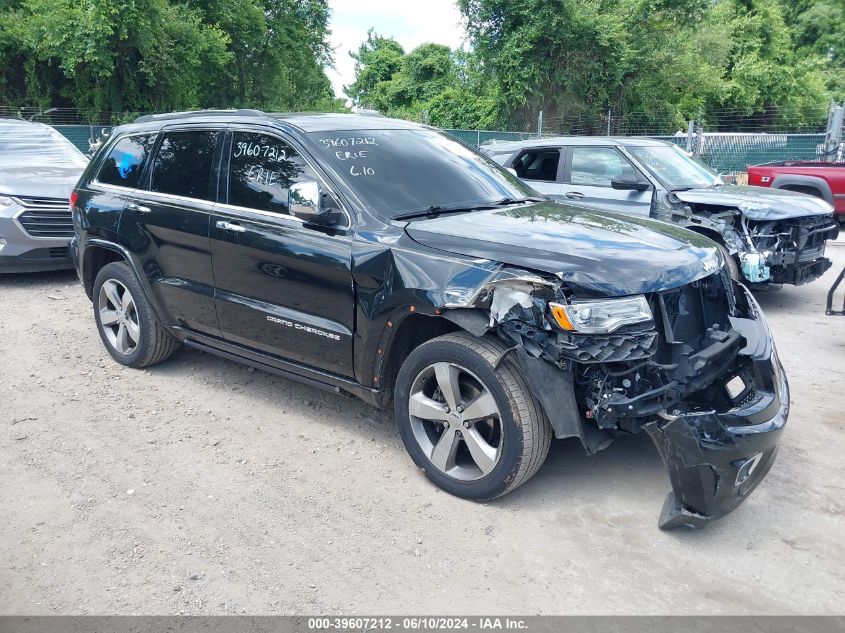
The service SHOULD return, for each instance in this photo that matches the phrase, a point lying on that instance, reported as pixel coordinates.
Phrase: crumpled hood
(44, 181)
(758, 203)
(597, 253)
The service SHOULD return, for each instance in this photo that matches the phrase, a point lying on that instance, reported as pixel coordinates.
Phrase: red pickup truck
(823, 180)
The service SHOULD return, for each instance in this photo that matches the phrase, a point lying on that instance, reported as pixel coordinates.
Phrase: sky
(410, 22)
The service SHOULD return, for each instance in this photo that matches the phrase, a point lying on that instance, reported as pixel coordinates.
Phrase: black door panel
(172, 242)
(284, 289)
(166, 224)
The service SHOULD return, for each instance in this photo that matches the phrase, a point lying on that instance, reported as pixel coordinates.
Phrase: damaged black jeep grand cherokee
(381, 259)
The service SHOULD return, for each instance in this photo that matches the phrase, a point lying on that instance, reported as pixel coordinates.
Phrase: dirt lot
(200, 486)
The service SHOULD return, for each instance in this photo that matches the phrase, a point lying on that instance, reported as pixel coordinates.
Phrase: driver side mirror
(305, 201)
(626, 184)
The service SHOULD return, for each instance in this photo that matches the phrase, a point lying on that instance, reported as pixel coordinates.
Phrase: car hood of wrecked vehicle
(758, 203)
(596, 253)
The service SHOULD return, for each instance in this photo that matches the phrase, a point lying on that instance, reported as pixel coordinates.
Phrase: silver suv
(767, 236)
(38, 169)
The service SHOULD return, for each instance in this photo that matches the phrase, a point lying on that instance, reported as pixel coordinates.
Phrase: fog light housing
(746, 468)
(2, 244)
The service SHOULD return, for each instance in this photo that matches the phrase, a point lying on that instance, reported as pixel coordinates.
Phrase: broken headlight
(603, 316)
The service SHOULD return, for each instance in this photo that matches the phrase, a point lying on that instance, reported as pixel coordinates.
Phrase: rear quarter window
(125, 161)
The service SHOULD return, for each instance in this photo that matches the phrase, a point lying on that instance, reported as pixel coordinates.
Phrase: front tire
(730, 261)
(474, 429)
(127, 323)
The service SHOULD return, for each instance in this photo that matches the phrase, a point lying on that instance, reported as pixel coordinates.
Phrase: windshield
(397, 172)
(671, 166)
(22, 143)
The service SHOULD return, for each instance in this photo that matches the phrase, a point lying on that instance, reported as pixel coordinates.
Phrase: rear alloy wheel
(119, 317)
(128, 326)
(468, 420)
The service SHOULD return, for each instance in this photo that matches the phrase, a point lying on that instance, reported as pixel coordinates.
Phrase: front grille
(804, 237)
(46, 217)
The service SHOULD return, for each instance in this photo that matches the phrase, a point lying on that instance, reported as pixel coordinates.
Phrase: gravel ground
(200, 486)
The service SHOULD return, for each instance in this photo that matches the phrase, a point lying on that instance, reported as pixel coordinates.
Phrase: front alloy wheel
(456, 421)
(467, 417)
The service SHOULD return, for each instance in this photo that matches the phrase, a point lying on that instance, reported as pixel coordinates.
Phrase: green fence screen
(82, 135)
(728, 154)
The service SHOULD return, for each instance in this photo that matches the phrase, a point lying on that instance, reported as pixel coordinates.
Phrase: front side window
(125, 161)
(261, 170)
(538, 165)
(598, 166)
(182, 165)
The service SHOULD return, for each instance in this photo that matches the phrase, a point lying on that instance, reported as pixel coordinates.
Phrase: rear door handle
(138, 208)
(573, 195)
(229, 226)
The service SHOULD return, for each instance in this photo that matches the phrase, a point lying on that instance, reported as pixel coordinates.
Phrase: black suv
(382, 259)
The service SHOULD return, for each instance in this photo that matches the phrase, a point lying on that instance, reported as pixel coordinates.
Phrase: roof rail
(198, 113)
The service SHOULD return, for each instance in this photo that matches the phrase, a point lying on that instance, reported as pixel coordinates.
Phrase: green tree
(819, 32)
(278, 50)
(377, 60)
(113, 54)
(158, 55)
(431, 80)
(665, 59)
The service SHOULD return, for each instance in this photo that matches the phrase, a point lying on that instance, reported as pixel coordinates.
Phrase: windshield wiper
(506, 201)
(436, 210)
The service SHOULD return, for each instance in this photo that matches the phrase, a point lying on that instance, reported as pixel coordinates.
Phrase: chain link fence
(729, 140)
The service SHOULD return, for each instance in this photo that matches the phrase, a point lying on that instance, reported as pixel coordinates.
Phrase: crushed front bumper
(715, 459)
(804, 261)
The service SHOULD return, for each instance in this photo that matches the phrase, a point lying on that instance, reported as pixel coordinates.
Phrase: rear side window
(125, 161)
(182, 165)
(261, 169)
(538, 164)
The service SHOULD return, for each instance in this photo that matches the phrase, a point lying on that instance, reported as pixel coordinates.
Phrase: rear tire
(126, 322)
(497, 435)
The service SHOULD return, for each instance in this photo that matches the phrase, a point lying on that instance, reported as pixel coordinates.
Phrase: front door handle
(573, 195)
(138, 208)
(229, 226)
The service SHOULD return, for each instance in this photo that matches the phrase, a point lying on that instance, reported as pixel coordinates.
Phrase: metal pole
(609, 112)
(540, 123)
(833, 137)
(690, 134)
(840, 153)
(699, 136)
